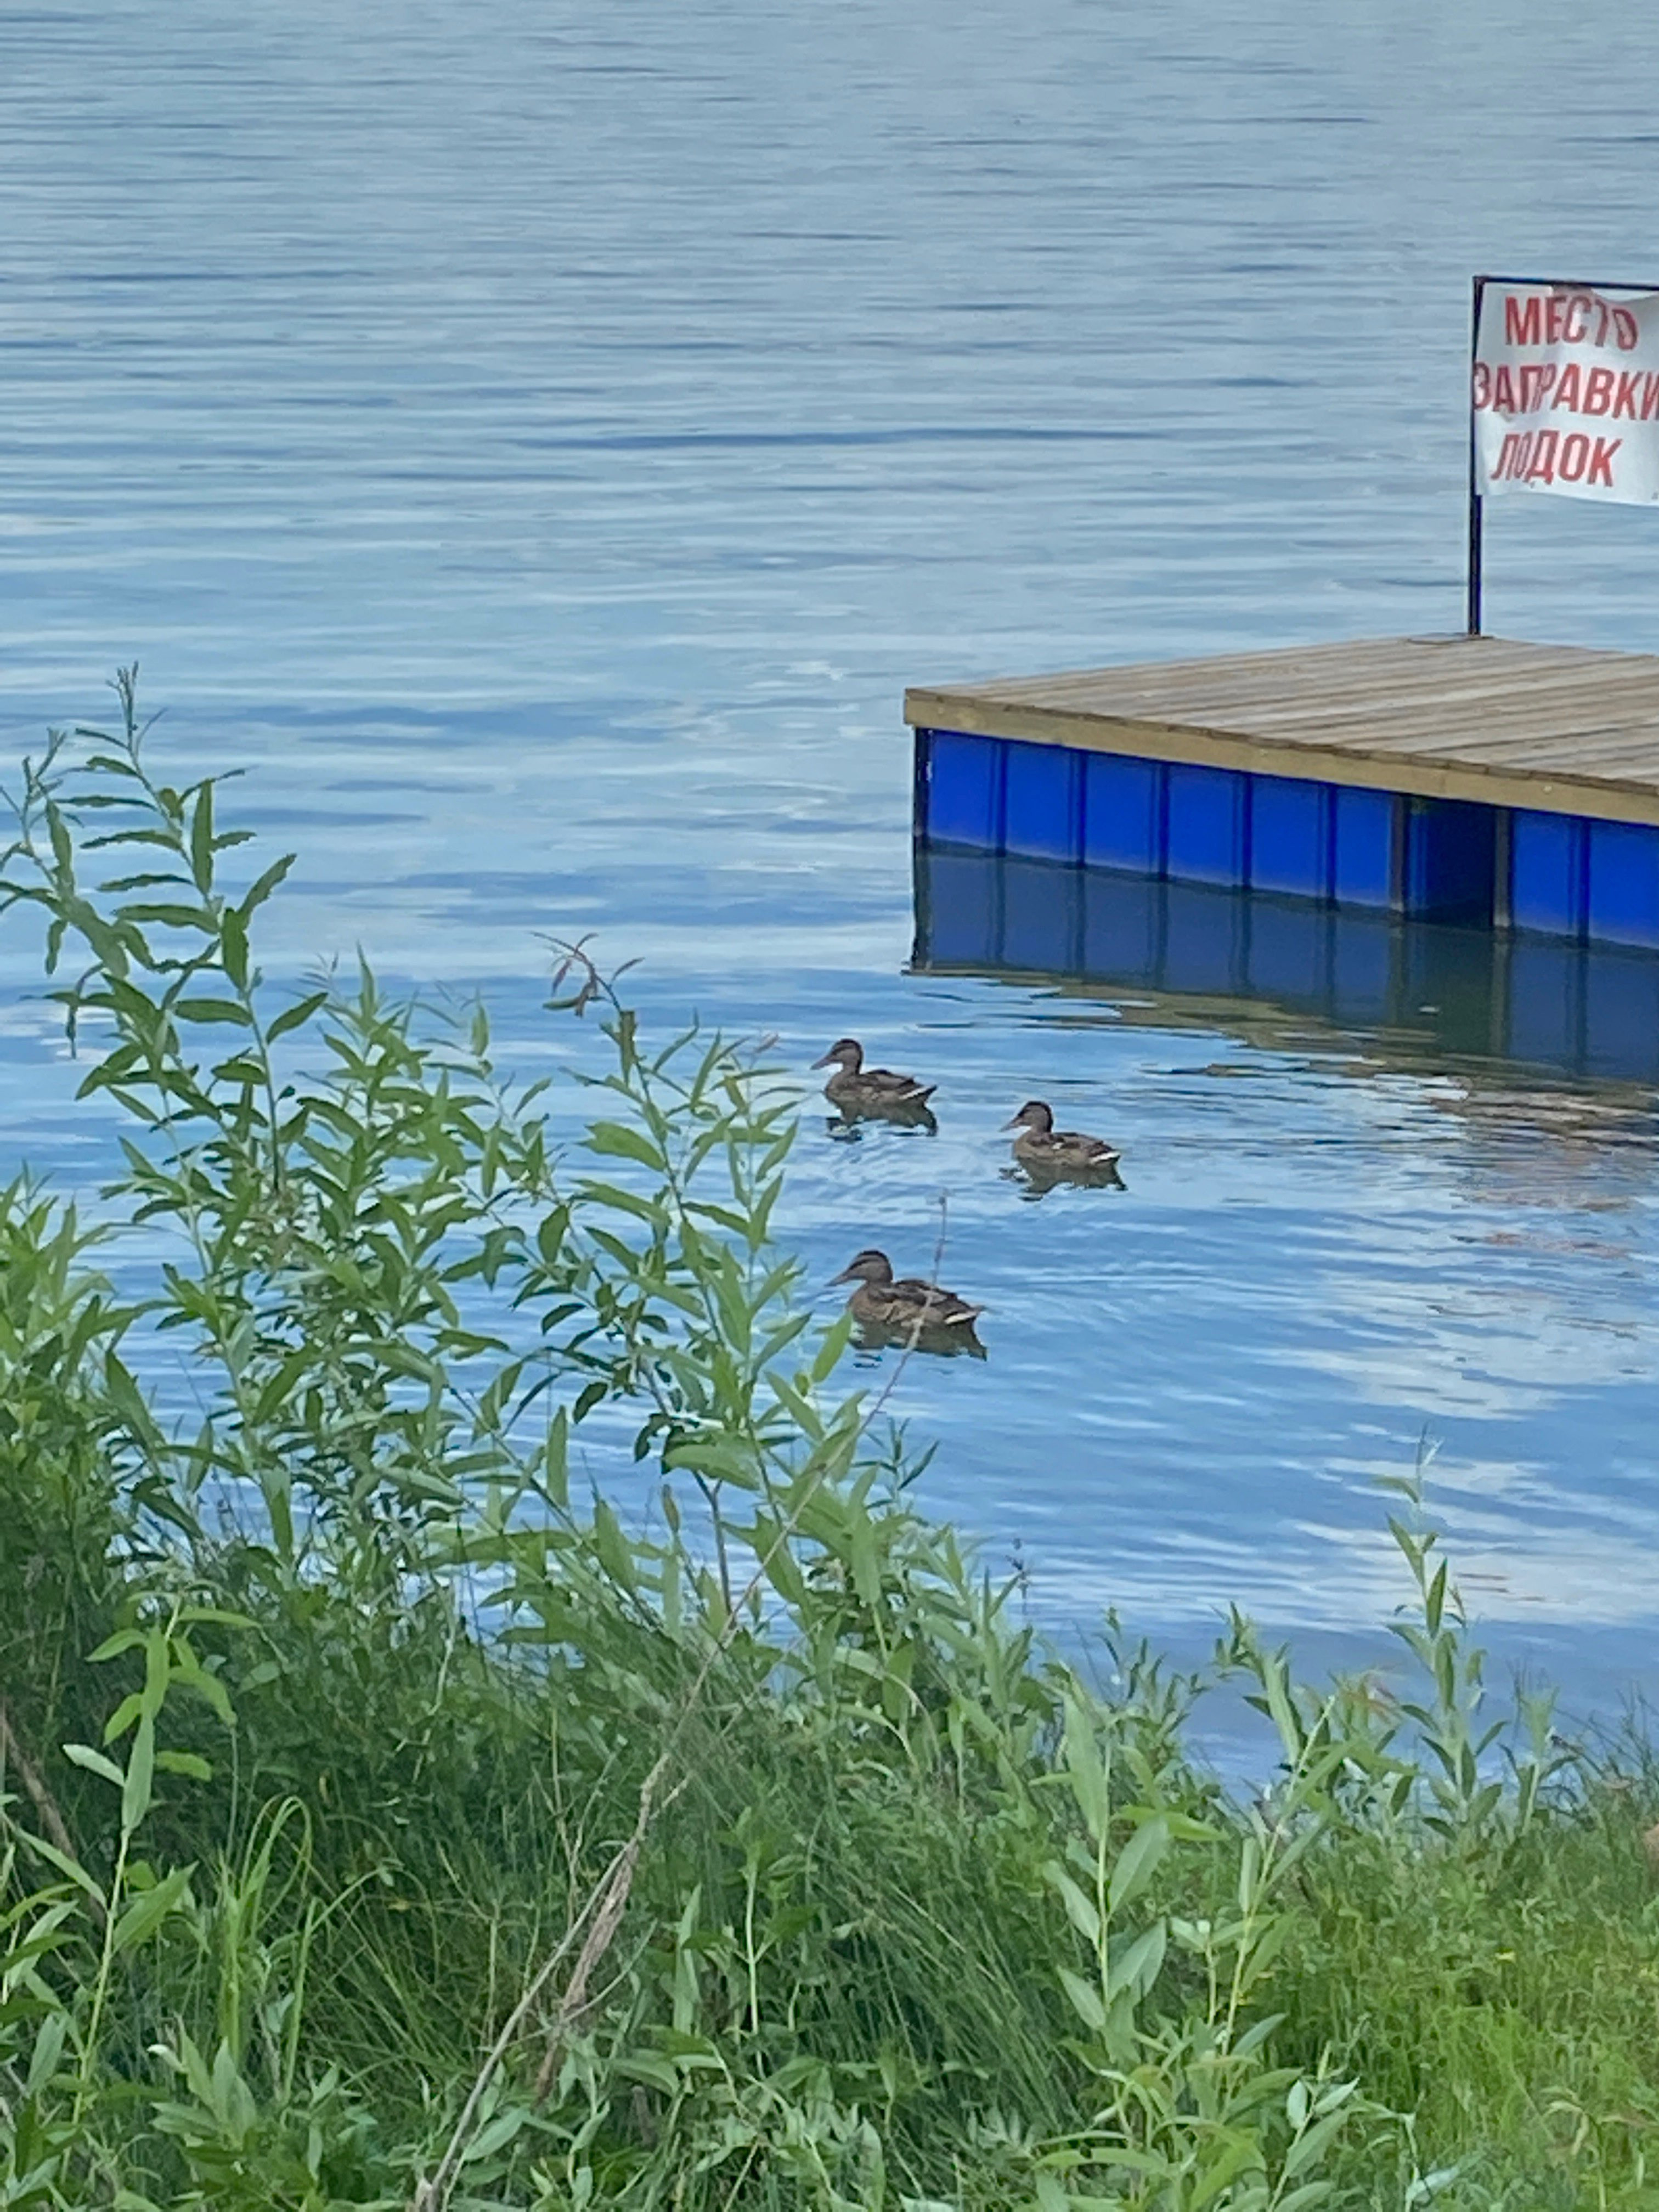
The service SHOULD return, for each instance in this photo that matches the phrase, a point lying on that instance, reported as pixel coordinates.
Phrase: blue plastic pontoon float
(1465, 779)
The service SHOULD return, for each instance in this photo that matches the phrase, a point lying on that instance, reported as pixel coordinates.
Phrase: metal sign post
(1475, 514)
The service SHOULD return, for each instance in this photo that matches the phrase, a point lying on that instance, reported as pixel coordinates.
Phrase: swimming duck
(1051, 1154)
(857, 1089)
(906, 1309)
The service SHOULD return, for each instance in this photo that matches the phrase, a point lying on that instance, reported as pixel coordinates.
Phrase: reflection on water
(871, 1337)
(1389, 1188)
(1274, 964)
(1038, 1183)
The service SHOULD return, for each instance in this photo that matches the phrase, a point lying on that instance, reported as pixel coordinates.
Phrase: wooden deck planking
(1565, 729)
(1490, 654)
(1290, 680)
(1293, 692)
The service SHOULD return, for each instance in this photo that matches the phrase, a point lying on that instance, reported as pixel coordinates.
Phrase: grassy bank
(386, 1824)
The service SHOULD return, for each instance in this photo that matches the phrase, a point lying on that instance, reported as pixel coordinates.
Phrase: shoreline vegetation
(386, 1824)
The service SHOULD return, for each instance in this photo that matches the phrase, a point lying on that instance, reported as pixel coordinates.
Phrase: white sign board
(1567, 392)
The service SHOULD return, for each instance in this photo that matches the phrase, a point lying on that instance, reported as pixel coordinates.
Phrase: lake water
(541, 442)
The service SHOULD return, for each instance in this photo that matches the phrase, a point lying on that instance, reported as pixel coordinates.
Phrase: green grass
(419, 1835)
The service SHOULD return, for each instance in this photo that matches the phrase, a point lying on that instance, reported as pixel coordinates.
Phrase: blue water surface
(540, 442)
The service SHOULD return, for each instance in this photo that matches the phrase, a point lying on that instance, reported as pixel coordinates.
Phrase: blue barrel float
(1565, 875)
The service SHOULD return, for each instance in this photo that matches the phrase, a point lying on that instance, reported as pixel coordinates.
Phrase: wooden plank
(1352, 696)
(1633, 748)
(1289, 683)
(1497, 655)
(1542, 720)
(1224, 664)
(1291, 675)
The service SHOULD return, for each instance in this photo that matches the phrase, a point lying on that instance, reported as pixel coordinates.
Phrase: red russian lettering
(1601, 462)
(1624, 398)
(1521, 324)
(1598, 391)
(1572, 322)
(1567, 386)
(1649, 396)
(1540, 462)
(1624, 330)
(1555, 317)
(1574, 456)
(1509, 453)
(1536, 378)
(1503, 390)
(1482, 384)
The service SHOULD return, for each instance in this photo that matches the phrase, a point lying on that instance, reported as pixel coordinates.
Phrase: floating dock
(1464, 778)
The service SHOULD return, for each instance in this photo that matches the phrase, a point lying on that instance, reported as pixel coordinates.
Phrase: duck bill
(1018, 1122)
(845, 1276)
(827, 1060)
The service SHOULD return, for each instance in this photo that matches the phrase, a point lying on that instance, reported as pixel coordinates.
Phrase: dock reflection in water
(1435, 992)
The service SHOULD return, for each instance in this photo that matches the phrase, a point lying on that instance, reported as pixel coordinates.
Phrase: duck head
(847, 1051)
(871, 1266)
(1033, 1114)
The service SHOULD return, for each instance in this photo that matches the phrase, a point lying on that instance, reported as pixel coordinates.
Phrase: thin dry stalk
(606, 1921)
(604, 1909)
(12, 1751)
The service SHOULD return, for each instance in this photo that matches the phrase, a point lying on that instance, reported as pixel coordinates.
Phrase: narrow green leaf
(615, 1138)
(57, 829)
(148, 1909)
(1134, 1971)
(866, 1568)
(233, 937)
(555, 1460)
(167, 914)
(611, 1547)
(1080, 1909)
(82, 1754)
(1086, 1770)
(1304, 2198)
(123, 1717)
(550, 1235)
(123, 1640)
(1310, 2147)
(1226, 2157)
(1087, 2000)
(201, 839)
(138, 1784)
(48, 2050)
(771, 1547)
(184, 1762)
(496, 2134)
(624, 1202)
(1138, 1861)
(259, 892)
(296, 1016)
